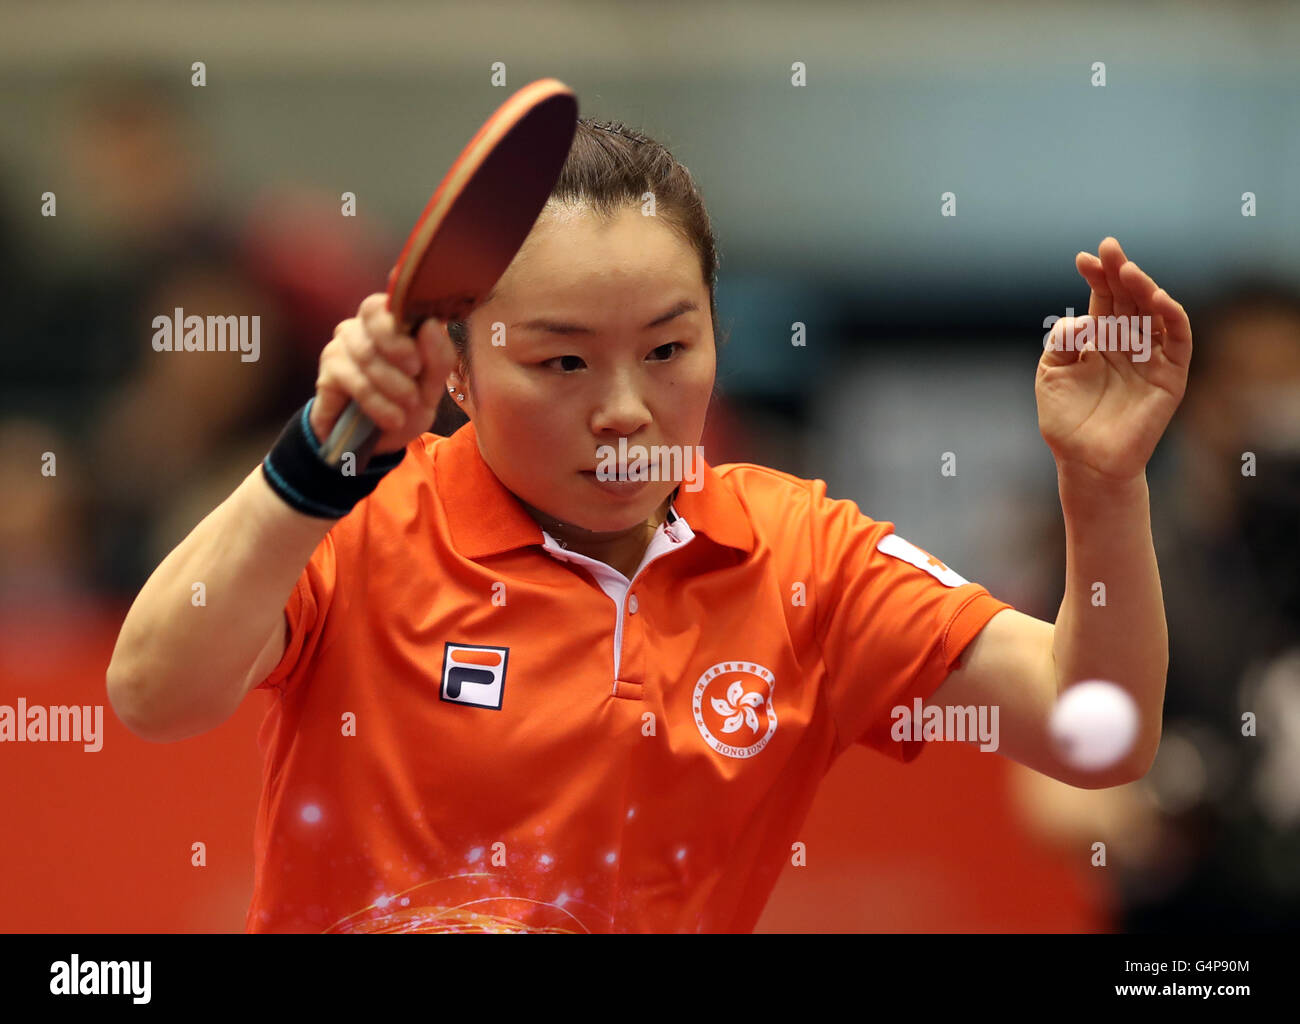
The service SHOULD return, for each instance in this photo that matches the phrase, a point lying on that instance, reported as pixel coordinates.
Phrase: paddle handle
(354, 432)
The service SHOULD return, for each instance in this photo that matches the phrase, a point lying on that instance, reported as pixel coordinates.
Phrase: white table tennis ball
(1094, 725)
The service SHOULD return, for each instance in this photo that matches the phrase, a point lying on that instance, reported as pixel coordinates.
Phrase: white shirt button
(631, 604)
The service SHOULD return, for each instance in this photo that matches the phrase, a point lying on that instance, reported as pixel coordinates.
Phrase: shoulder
(767, 496)
(778, 503)
(414, 476)
(763, 483)
(421, 454)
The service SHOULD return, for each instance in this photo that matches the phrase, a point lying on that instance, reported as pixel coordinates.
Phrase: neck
(622, 549)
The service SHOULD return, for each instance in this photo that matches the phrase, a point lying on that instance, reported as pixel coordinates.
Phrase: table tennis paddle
(472, 227)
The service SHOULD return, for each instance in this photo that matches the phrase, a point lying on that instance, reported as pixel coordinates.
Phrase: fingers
(1169, 323)
(1143, 290)
(438, 358)
(1089, 266)
(373, 303)
(1121, 287)
(1082, 339)
(1112, 258)
(425, 382)
(325, 410)
(342, 376)
(370, 360)
(1177, 340)
(1070, 338)
(1064, 343)
(383, 339)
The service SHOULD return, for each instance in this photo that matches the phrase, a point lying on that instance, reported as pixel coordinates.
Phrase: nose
(620, 409)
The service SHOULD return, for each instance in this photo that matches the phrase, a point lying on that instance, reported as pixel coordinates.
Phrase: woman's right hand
(398, 380)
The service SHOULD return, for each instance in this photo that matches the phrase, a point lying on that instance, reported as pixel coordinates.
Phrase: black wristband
(296, 472)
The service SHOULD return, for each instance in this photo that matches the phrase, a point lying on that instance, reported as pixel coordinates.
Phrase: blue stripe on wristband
(300, 501)
(294, 470)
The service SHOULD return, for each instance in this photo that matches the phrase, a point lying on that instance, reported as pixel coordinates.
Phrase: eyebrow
(561, 327)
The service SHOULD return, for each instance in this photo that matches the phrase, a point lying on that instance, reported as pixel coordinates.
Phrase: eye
(671, 353)
(578, 359)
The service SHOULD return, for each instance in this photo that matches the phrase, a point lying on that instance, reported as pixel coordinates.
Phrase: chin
(610, 516)
(614, 521)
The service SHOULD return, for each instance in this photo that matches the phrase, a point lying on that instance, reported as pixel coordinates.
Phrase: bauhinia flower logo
(739, 693)
(739, 707)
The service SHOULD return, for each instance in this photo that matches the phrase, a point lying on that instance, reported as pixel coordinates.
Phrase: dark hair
(609, 167)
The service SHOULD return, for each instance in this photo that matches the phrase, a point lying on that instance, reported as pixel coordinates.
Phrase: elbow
(1142, 759)
(1132, 769)
(137, 710)
(1150, 731)
(129, 703)
(122, 684)
(124, 699)
(1146, 761)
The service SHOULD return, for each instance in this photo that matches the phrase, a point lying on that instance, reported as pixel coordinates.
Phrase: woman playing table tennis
(517, 688)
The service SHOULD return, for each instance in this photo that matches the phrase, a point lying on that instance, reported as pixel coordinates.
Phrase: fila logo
(474, 675)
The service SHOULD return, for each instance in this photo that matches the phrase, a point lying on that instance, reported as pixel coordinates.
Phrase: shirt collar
(485, 518)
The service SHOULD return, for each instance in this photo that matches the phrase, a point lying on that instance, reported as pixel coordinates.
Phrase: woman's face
(599, 330)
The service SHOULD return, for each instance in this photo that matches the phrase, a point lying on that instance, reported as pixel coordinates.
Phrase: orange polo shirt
(477, 730)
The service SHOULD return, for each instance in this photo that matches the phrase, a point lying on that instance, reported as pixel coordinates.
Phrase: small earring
(460, 398)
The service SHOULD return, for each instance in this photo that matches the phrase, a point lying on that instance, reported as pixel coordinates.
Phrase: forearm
(1111, 623)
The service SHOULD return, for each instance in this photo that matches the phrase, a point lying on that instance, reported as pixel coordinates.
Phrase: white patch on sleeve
(893, 544)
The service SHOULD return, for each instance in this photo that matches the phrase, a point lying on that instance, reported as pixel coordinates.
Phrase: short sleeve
(892, 621)
(305, 613)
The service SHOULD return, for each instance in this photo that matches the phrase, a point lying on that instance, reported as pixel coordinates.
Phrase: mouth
(616, 488)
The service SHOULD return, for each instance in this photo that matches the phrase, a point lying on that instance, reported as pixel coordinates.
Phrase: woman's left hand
(1102, 411)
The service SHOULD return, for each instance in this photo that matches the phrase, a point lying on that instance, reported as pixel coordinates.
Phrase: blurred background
(923, 332)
